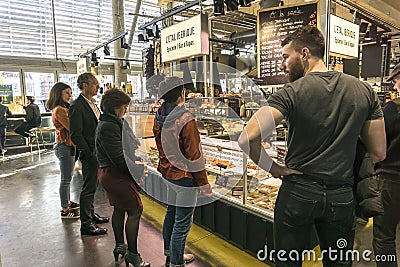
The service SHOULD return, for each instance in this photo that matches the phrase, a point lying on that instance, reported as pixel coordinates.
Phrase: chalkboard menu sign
(274, 25)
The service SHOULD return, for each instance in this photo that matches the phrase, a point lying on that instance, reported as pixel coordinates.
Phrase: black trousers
(23, 129)
(301, 207)
(385, 225)
(89, 174)
(2, 137)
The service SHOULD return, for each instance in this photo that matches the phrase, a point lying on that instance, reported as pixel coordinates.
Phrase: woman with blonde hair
(58, 103)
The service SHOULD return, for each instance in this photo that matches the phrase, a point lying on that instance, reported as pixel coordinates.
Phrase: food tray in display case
(224, 164)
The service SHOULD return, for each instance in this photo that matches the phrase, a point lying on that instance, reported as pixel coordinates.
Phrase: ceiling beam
(170, 13)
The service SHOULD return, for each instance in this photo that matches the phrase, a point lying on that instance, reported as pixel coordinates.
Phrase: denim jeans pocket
(299, 209)
(342, 210)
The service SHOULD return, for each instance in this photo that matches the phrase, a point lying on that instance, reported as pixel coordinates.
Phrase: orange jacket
(178, 144)
(59, 116)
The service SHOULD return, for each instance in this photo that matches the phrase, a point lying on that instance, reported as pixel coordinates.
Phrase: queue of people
(97, 139)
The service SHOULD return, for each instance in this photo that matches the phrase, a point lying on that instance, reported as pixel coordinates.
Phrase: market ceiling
(393, 3)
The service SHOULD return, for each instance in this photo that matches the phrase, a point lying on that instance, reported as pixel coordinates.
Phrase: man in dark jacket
(83, 118)
(32, 119)
(388, 170)
(4, 113)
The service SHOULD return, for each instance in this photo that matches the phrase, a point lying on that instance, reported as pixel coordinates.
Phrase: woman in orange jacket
(60, 95)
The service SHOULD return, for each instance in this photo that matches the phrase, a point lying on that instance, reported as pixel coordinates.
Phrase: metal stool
(46, 130)
(34, 134)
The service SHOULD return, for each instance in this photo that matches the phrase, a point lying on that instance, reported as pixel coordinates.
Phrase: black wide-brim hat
(395, 72)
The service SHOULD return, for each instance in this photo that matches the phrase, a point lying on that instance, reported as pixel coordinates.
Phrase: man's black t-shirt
(325, 112)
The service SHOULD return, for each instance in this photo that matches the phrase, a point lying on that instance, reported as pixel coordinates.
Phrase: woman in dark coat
(115, 176)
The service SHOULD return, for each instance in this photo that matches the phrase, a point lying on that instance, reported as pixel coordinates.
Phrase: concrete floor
(33, 234)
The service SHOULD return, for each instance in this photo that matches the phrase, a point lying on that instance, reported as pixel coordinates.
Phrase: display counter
(256, 191)
(243, 197)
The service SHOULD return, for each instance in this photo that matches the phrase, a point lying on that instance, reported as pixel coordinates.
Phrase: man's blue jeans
(66, 156)
(181, 196)
(299, 208)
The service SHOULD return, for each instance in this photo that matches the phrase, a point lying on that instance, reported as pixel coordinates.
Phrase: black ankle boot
(135, 259)
(120, 249)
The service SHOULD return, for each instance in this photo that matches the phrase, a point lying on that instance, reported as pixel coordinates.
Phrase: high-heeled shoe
(135, 259)
(120, 249)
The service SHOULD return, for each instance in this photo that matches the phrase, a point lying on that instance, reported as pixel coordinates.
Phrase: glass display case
(239, 180)
(232, 175)
(207, 107)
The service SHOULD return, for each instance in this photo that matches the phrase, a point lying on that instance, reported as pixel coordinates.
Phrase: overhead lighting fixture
(231, 5)
(141, 37)
(269, 3)
(107, 50)
(246, 2)
(149, 32)
(373, 31)
(363, 27)
(156, 31)
(124, 44)
(219, 8)
(93, 59)
(384, 41)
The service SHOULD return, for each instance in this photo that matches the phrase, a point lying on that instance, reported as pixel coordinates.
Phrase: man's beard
(296, 70)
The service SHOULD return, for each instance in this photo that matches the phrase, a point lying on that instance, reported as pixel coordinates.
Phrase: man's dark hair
(307, 36)
(84, 78)
(30, 98)
(1, 99)
(170, 89)
(112, 99)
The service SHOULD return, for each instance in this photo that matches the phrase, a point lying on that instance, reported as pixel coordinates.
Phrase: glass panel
(39, 85)
(136, 90)
(27, 33)
(103, 81)
(11, 96)
(70, 79)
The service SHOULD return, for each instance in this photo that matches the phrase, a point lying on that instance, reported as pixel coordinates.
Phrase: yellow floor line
(218, 252)
(206, 245)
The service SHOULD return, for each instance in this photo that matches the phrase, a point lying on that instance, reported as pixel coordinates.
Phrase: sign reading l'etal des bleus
(344, 37)
(185, 39)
